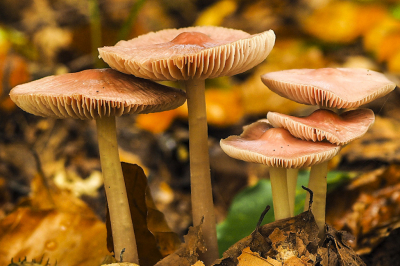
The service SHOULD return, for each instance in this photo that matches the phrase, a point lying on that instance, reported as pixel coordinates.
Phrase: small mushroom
(278, 149)
(101, 95)
(319, 126)
(192, 55)
(324, 124)
(328, 88)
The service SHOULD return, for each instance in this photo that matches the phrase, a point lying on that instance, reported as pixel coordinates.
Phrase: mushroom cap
(189, 53)
(324, 124)
(275, 147)
(330, 87)
(94, 93)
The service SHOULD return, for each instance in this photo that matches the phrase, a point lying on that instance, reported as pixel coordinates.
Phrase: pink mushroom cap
(330, 87)
(189, 53)
(94, 93)
(324, 124)
(276, 147)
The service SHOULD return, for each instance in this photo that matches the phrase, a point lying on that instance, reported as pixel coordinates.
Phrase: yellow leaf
(156, 122)
(335, 22)
(215, 14)
(63, 237)
(372, 41)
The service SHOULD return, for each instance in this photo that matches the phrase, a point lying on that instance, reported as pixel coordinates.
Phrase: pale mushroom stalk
(318, 185)
(201, 190)
(114, 184)
(291, 175)
(279, 188)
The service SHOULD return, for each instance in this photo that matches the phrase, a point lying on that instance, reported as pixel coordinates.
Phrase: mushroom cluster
(329, 88)
(190, 55)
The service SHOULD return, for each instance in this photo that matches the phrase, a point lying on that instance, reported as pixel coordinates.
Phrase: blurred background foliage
(46, 37)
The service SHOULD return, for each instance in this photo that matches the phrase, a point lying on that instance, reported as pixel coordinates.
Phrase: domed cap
(275, 147)
(94, 93)
(331, 87)
(189, 53)
(325, 124)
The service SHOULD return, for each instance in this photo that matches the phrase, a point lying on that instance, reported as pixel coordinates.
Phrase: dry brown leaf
(120, 264)
(368, 207)
(278, 240)
(198, 263)
(136, 186)
(249, 258)
(337, 242)
(52, 226)
(188, 253)
(380, 143)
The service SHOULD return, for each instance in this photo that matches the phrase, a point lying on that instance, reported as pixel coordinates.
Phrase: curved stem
(279, 192)
(120, 215)
(200, 178)
(291, 183)
(318, 186)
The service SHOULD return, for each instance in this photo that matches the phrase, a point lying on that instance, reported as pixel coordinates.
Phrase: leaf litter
(291, 241)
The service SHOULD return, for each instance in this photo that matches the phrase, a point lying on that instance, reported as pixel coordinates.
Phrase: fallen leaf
(136, 186)
(368, 207)
(188, 252)
(50, 225)
(249, 258)
(337, 242)
(156, 122)
(55, 235)
(379, 144)
(120, 264)
(215, 14)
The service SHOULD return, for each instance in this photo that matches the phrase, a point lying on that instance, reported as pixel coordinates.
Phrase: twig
(311, 196)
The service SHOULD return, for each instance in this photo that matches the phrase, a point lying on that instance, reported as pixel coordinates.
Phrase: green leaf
(244, 213)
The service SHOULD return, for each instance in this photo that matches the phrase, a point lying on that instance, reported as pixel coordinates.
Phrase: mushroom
(101, 95)
(192, 55)
(325, 124)
(319, 126)
(328, 88)
(278, 149)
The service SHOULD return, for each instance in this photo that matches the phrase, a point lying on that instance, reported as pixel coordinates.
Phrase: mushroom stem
(200, 178)
(291, 183)
(318, 185)
(279, 192)
(114, 184)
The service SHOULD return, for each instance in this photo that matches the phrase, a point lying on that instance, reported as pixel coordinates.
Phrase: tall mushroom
(101, 95)
(278, 149)
(192, 55)
(328, 88)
